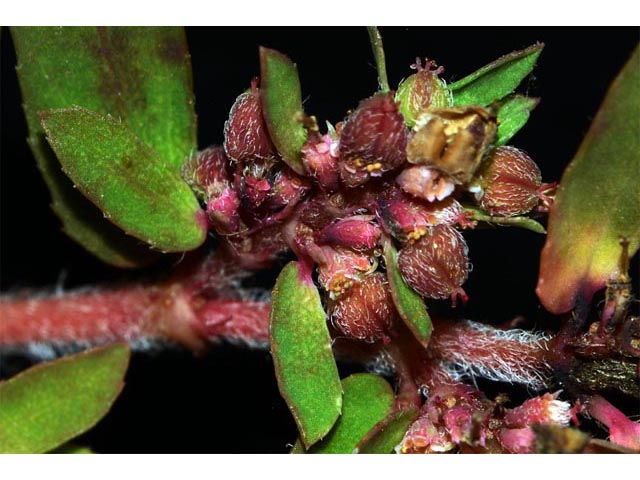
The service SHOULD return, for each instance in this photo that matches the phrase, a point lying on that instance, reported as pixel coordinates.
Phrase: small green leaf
(141, 75)
(409, 304)
(512, 116)
(497, 79)
(521, 222)
(125, 178)
(51, 403)
(281, 98)
(598, 201)
(366, 401)
(387, 434)
(301, 348)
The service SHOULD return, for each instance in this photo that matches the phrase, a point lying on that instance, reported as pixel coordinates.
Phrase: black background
(228, 400)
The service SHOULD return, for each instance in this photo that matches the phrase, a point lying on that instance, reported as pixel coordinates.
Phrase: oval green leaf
(125, 178)
(387, 434)
(141, 75)
(367, 399)
(301, 348)
(497, 79)
(513, 114)
(51, 403)
(598, 201)
(281, 98)
(409, 304)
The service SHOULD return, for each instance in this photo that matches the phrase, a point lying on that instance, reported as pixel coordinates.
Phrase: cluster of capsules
(395, 170)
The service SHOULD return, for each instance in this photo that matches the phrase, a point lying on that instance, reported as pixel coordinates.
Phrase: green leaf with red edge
(301, 348)
(49, 404)
(497, 79)
(140, 75)
(385, 436)
(367, 399)
(125, 178)
(409, 304)
(513, 114)
(281, 98)
(598, 201)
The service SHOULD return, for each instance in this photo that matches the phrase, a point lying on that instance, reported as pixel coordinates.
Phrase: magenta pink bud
(373, 140)
(222, 211)
(509, 182)
(546, 409)
(246, 137)
(358, 232)
(436, 265)
(319, 155)
(426, 182)
(366, 312)
(256, 191)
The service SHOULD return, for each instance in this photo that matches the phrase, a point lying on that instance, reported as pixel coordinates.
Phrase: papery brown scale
(437, 264)
(373, 140)
(366, 312)
(510, 181)
(246, 137)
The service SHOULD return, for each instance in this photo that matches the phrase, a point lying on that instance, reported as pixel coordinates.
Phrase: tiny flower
(437, 264)
(366, 312)
(408, 218)
(256, 191)
(288, 188)
(509, 183)
(339, 269)
(373, 140)
(425, 182)
(357, 232)
(422, 91)
(222, 211)
(319, 155)
(246, 137)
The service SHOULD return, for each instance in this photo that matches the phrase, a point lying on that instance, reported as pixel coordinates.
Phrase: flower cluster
(383, 174)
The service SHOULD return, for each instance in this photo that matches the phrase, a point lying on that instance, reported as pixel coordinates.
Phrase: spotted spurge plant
(372, 207)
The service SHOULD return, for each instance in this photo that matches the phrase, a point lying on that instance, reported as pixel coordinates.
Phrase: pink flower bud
(319, 155)
(373, 140)
(366, 312)
(246, 137)
(222, 211)
(437, 264)
(509, 182)
(357, 232)
(425, 182)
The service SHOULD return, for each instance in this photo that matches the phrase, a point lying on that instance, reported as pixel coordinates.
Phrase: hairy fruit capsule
(509, 182)
(437, 264)
(366, 312)
(319, 155)
(373, 140)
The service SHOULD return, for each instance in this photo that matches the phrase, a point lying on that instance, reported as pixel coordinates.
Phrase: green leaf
(512, 116)
(497, 79)
(521, 222)
(366, 401)
(301, 348)
(51, 403)
(125, 178)
(409, 304)
(387, 434)
(141, 75)
(281, 98)
(598, 201)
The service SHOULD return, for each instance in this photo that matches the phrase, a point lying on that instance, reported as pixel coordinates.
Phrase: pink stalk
(622, 431)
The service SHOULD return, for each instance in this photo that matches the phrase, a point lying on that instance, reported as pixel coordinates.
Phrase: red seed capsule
(366, 312)
(437, 264)
(373, 140)
(509, 182)
(246, 138)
